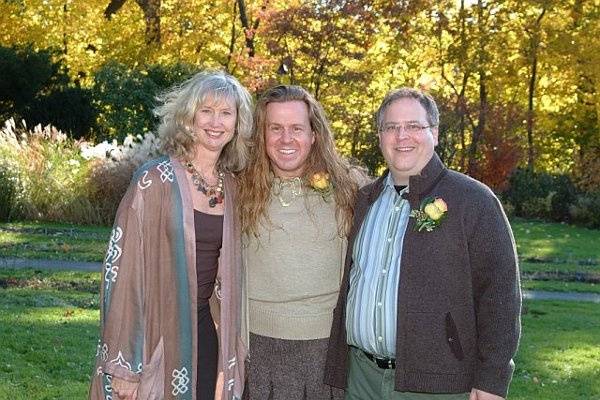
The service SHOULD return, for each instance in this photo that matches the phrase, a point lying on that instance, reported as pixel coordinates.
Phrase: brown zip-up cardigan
(459, 296)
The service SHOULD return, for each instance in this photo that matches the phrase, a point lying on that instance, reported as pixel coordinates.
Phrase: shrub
(48, 176)
(537, 207)
(541, 195)
(509, 209)
(111, 169)
(39, 90)
(10, 185)
(31, 73)
(68, 109)
(586, 210)
(165, 76)
(126, 97)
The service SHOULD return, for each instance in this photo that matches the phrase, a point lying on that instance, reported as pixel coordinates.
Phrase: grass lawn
(559, 355)
(53, 241)
(558, 286)
(49, 327)
(558, 257)
(553, 256)
(49, 320)
(49, 331)
(555, 241)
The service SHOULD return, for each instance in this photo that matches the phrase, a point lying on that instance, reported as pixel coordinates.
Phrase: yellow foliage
(350, 59)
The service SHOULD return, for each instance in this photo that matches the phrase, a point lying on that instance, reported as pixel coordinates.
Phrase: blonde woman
(174, 256)
(296, 205)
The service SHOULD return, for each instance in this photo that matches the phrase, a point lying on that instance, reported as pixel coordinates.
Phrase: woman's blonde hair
(256, 180)
(179, 105)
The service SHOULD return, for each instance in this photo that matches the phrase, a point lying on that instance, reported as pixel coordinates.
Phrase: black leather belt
(383, 363)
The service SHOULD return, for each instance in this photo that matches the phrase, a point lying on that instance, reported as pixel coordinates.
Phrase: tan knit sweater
(294, 269)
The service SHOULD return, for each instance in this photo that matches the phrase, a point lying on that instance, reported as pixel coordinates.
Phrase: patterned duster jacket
(149, 305)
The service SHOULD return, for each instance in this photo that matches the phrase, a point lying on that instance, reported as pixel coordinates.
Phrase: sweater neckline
(287, 190)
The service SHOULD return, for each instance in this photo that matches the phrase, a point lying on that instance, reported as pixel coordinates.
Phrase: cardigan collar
(418, 185)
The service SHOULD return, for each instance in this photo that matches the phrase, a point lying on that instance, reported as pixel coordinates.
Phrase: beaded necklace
(215, 193)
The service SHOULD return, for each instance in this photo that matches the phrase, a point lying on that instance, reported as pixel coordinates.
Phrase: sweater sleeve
(120, 347)
(497, 296)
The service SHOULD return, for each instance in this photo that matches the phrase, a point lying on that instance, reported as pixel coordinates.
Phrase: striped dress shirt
(374, 277)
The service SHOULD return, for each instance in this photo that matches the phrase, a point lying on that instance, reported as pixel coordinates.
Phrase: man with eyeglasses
(429, 306)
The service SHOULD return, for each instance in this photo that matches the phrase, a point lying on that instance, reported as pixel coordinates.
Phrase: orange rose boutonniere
(321, 184)
(430, 214)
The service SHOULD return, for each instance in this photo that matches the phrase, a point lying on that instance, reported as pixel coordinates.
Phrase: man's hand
(124, 390)
(477, 394)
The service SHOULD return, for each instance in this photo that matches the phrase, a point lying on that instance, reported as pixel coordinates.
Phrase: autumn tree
(517, 81)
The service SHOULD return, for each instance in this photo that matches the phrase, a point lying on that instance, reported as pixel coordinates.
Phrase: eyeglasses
(411, 128)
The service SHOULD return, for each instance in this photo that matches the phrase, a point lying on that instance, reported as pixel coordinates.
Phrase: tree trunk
(461, 102)
(233, 37)
(249, 31)
(533, 48)
(483, 104)
(151, 9)
(113, 7)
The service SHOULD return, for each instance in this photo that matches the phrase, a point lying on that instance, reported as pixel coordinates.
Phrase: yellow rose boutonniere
(430, 214)
(321, 184)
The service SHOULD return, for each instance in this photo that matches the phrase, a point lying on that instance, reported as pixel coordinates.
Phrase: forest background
(517, 83)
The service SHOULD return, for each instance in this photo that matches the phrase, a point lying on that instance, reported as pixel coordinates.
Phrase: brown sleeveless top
(209, 238)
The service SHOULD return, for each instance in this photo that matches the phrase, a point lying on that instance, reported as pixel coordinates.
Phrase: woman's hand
(477, 394)
(124, 390)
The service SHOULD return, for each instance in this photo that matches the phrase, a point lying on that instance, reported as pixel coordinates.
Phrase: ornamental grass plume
(47, 176)
(111, 168)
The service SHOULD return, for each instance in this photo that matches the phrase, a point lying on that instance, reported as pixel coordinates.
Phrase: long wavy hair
(179, 105)
(256, 180)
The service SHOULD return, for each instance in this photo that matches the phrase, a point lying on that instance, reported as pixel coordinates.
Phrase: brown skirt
(281, 369)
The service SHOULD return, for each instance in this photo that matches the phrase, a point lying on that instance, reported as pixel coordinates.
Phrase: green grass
(47, 279)
(53, 241)
(562, 254)
(45, 288)
(531, 267)
(49, 328)
(559, 354)
(558, 286)
(556, 242)
(49, 331)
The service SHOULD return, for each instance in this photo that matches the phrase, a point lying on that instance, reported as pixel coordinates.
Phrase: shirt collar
(389, 183)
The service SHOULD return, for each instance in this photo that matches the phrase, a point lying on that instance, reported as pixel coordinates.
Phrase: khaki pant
(366, 381)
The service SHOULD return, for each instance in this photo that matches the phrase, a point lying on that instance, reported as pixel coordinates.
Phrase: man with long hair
(296, 206)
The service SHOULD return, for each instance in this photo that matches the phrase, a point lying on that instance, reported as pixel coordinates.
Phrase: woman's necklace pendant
(215, 193)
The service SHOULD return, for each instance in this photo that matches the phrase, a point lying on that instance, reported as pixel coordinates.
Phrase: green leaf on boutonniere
(430, 214)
